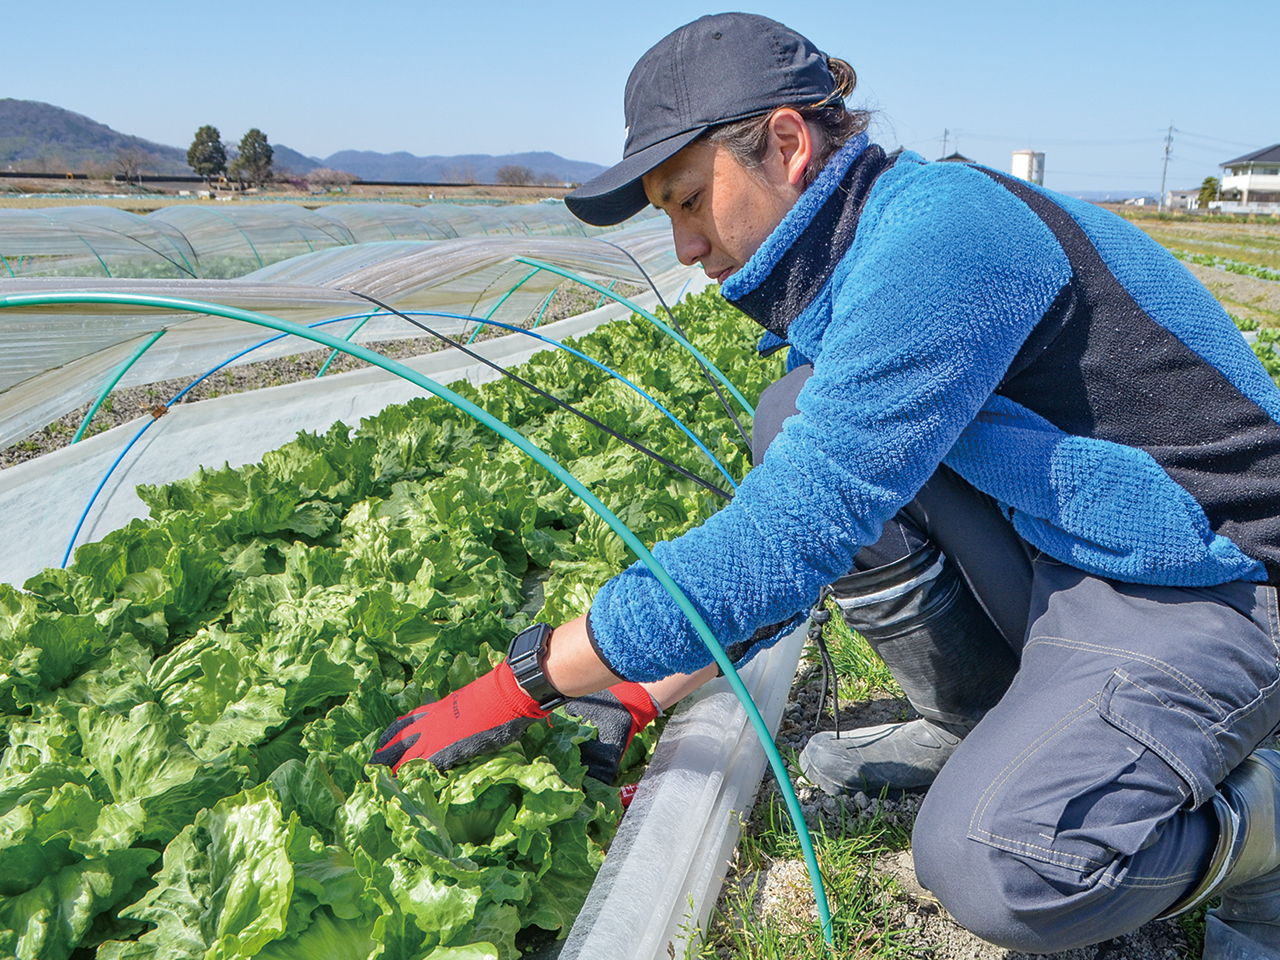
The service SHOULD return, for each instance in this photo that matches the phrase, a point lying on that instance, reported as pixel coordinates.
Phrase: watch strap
(526, 656)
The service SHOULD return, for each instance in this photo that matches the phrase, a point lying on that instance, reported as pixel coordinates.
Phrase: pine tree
(254, 162)
(207, 156)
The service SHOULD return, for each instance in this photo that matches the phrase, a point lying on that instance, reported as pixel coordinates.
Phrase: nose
(691, 246)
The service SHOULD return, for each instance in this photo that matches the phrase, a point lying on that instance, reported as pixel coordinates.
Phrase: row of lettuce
(187, 710)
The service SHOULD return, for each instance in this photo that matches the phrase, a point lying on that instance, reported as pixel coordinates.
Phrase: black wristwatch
(526, 655)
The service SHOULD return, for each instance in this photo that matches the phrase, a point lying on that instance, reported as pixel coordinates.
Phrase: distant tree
(324, 177)
(254, 160)
(130, 161)
(207, 155)
(550, 180)
(46, 162)
(1208, 191)
(515, 176)
(97, 170)
(460, 173)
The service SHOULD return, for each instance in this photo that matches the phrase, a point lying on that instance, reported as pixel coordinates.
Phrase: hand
(486, 714)
(618, 713)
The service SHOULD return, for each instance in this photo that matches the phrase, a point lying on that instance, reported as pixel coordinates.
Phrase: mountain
(286, 159)
(470, 167)
(39, 137)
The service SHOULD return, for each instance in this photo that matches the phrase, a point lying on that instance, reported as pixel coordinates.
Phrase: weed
(860, 670)
(859, 898)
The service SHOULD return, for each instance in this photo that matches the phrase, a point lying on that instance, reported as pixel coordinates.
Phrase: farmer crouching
(1034, 457)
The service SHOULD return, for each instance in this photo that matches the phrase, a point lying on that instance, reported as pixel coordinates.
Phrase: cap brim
(617, 193)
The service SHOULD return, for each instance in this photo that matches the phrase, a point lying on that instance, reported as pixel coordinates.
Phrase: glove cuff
(642, 707)
(512, 695)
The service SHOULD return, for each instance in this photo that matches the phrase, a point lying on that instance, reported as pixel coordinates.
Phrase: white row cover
(59, 358)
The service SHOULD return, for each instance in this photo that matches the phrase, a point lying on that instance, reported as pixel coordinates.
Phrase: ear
(791, 145)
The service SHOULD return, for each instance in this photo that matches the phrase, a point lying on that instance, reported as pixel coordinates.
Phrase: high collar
(797, 259)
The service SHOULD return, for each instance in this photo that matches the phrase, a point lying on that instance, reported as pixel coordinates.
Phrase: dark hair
(748, 140)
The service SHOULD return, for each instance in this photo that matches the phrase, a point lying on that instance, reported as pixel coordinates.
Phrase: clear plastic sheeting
(91, 242)
(224, 240)
(42, 499)
(374, 222)
(59, 358)
(230, 240)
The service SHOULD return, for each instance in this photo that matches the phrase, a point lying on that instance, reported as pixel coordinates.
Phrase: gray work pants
(1077, 809)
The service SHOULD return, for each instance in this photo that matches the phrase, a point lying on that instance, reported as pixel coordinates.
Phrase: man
(1036, 460)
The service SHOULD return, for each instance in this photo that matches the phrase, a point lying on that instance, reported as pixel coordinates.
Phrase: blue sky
(1094, 85)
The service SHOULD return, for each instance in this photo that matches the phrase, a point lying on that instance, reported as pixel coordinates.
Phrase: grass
(859, 897)
(861, 671)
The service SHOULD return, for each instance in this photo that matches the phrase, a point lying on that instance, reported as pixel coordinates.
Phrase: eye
(688, 203)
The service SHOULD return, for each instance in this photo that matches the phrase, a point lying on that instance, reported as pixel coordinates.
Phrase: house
(1251, 184)
(1182, 199)
(956, 157)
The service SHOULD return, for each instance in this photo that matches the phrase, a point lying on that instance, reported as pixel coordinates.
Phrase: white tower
(1029, 165)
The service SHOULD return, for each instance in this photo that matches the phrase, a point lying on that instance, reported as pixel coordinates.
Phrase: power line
(1234, 143)
(1058, 141)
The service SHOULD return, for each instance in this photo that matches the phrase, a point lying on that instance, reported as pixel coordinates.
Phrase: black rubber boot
(1245, 867)
(952, 663)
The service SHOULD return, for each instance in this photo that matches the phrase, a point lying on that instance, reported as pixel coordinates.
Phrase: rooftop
(1265, 155)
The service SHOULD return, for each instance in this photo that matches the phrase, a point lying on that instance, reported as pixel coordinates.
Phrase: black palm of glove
(618, 713)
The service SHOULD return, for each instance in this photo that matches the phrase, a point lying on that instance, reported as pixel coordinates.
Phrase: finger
(394, 755)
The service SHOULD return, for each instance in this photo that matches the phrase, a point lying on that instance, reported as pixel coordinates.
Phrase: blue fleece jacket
(1027, 340)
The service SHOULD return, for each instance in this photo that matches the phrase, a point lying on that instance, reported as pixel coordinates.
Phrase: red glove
(618, 713)
(486, 714)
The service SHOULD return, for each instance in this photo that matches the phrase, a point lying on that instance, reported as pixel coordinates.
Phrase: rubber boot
(1245, 868)
(952, 664)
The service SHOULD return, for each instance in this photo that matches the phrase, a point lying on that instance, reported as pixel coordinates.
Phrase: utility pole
(945, 131)
(1168, 146)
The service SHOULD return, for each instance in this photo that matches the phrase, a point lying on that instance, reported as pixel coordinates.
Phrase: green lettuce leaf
(48, 921)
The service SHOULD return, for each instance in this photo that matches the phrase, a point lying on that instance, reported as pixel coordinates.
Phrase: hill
(478, 167)
(287, 160)
(39, 137)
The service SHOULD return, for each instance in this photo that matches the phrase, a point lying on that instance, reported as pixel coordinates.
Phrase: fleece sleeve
(946, 278)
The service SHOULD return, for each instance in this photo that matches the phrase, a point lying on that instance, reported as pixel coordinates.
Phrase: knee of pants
(1080, 837)
(1029, 906)
(971, 881)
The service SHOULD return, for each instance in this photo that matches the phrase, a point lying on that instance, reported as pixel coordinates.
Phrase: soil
(1246, 297)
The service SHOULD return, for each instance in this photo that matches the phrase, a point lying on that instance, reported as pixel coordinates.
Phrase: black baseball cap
(718, 69)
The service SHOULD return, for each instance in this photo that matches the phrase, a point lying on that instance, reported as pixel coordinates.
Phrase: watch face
(529, 641)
